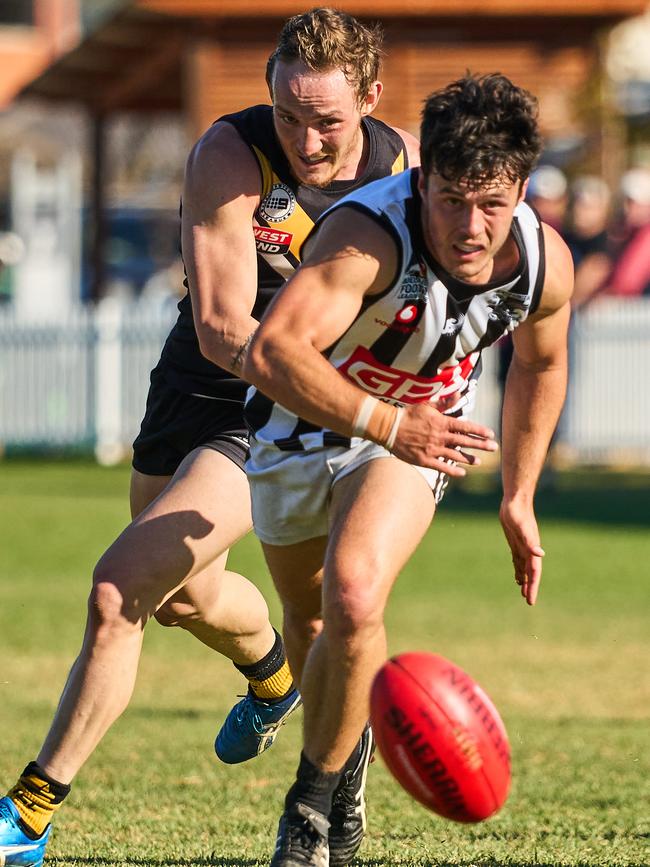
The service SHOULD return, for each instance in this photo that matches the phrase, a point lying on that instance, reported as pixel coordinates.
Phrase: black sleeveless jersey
(285, 216)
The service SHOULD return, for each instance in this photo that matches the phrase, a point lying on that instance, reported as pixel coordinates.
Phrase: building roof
(134, 60)
(131, 61)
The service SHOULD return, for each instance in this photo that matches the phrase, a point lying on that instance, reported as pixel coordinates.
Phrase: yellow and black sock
(37, 797)
(270, 678)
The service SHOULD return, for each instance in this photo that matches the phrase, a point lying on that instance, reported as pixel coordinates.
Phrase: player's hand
(428, 438)
(521, 531)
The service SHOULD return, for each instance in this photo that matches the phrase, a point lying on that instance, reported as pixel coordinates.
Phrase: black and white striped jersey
(422, 338)
(285, 216)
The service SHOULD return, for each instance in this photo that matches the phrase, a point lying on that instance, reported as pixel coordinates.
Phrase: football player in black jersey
(261, 176)
(364, 370)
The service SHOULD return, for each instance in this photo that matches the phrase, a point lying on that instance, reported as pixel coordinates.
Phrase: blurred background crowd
(100, 101)
(607, 231)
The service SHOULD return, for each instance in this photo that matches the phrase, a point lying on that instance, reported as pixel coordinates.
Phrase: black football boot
(302, 838)
(348, 814)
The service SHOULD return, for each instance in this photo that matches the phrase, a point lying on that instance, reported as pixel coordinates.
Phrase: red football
(441, 736)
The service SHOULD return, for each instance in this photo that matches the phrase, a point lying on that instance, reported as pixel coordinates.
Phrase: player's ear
(522, 191)
(369, 104)
(422, 183)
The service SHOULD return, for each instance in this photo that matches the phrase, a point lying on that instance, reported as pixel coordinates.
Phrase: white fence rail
(607, 417)
(82, 382)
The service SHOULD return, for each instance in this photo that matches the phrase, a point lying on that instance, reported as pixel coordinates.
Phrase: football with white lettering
(441, 736)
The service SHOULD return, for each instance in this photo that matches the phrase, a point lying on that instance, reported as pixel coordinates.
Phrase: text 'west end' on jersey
(422, 338)
(285, 216)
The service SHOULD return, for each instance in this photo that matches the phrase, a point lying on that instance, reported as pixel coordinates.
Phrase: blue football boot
(16, 848)
(252, 726)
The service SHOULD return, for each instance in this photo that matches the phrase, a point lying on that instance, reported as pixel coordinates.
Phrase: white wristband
(392, 436)
(362, 418)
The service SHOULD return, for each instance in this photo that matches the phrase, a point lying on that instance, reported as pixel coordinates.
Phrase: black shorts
(175, 423)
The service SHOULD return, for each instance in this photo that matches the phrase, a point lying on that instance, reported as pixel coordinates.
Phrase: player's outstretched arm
(310, 313)
(220, 194)
(534, 395)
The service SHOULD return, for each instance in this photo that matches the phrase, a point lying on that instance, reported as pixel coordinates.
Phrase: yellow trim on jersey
(398, 165)
(267, 171)
(299, 224)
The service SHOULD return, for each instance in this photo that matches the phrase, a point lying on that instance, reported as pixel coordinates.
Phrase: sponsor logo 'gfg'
(402, 385)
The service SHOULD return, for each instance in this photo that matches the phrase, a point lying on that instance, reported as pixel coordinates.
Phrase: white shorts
(290, 491)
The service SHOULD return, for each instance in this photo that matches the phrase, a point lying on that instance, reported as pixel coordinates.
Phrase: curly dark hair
(480, 129)
(325, 39)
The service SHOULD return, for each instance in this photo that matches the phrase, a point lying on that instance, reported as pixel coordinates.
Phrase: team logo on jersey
(453, 325)
(509, 308)
(376, 378)
(415, 286)
(272, 240)
(278, 205)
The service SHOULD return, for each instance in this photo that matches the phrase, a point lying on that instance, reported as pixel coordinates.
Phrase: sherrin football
(441, 736)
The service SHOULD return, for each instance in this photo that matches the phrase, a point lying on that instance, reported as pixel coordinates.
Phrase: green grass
(570, 677)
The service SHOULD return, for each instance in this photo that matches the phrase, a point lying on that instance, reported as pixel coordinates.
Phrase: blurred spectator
(587, 236)
(635, 189)
(547, 193)
(630, 275)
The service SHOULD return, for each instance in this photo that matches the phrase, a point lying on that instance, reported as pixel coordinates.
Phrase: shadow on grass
(219, 861)
(594, 498)
(212, 861)
(492, 862)
(168, 713)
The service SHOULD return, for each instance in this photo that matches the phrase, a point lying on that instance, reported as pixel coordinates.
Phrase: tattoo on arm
(237, 361)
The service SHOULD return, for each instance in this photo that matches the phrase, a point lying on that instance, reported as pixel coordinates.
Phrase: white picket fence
(81, 382)
(607, 418)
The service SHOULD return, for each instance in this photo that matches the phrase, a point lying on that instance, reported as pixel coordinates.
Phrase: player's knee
(108, 611)
(176, 613)
(117, 599)
(355, 611)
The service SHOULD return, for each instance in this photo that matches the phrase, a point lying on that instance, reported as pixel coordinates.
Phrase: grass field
(570, 677)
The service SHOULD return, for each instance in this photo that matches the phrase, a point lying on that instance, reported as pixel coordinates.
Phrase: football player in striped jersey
(364, 374)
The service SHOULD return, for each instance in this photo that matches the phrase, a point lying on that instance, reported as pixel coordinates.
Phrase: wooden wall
(227, 73)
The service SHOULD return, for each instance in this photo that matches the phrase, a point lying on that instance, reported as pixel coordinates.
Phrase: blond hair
(325, 39)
